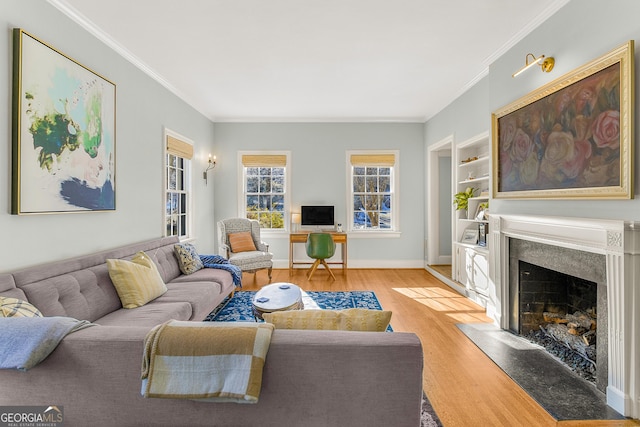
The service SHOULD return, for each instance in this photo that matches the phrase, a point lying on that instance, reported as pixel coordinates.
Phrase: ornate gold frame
(517, 114)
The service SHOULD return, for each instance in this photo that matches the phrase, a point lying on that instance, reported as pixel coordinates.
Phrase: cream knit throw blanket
(213, 361)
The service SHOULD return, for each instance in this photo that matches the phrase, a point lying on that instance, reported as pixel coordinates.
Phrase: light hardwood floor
(464, 386)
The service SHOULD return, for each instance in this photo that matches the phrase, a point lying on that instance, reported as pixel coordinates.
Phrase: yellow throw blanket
(213, 361)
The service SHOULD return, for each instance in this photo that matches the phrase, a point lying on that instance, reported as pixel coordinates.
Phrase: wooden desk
(301, 237)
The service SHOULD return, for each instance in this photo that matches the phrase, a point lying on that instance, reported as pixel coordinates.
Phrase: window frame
(394, 230)
(242, 211)
(187, 189)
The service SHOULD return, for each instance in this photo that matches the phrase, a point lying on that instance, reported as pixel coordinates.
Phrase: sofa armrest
(335, 376)
(262, 246)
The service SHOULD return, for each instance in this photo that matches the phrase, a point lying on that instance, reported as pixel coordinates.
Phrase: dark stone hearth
(562, 393)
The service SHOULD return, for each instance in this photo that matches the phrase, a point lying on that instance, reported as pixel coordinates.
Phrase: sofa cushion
(167, 262)
(86, 294)
(148, 315)
(241, 242)
(14, 307)
(80, 287)
(8, 287)
(201, 296)
(137, 281)
(352, 319)
(216, 275)
(188, 258)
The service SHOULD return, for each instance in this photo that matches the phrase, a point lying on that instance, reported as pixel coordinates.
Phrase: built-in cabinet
(470, 260)
(472, 271)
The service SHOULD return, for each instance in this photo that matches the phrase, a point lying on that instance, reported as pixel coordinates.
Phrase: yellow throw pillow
(14, 307)
(241, 242)
(352, 319)
(137, 281)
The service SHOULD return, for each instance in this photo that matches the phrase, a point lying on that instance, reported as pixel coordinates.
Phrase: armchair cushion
(252, 260)
(241, 242)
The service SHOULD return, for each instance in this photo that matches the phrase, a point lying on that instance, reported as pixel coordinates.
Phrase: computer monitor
(317, 216)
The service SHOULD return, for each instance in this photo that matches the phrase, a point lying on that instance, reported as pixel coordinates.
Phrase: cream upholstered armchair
(239, 241)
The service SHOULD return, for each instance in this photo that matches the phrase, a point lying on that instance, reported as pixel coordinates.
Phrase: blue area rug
(238, 308)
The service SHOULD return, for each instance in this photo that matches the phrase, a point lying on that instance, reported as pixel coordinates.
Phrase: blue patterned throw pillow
(188, 258)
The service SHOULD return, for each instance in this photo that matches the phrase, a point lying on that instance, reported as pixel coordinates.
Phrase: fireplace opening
(587, 277)
(559, 312)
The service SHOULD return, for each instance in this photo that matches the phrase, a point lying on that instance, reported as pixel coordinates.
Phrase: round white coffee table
(277, 297)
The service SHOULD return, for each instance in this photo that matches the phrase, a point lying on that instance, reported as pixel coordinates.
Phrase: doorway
(439, 212)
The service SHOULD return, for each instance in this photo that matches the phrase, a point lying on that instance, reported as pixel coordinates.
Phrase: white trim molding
(395, 195)
(619, 242)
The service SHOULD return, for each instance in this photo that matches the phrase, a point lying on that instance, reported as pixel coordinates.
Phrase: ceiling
(313, 60)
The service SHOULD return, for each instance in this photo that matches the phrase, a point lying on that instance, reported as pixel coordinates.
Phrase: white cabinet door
(472, 269)
(480, 267)
(462, 269)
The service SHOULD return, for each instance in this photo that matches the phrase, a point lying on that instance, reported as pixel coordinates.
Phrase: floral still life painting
(572, 138)
(63, 133)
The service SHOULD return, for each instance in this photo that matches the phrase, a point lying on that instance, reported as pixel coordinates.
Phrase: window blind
(264, 160)
(179, 148)
(373, 159)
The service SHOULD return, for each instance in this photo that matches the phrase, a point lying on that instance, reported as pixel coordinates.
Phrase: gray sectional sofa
(311, 378)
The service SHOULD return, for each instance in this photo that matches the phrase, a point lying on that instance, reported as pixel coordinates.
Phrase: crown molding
(526, 30)
(318, 120)
(93, 29)
(88, 25)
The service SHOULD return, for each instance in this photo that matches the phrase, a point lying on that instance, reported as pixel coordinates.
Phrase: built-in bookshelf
(470, 251)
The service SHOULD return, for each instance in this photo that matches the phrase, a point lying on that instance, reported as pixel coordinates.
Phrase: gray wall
(318, 161)
(144, 108)
(444, 203)
(578, 33)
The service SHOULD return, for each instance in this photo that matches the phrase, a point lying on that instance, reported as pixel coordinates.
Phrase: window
(373, 197)
(265, 189)
(177, 186)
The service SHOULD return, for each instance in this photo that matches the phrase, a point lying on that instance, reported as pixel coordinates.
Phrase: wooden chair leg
(326, 266)
(313, 268)
(269, 273)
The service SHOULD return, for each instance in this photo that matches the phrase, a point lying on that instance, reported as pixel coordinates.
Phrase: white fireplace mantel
(619, 241)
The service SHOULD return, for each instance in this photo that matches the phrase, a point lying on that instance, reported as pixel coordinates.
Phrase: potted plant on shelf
(461, 199)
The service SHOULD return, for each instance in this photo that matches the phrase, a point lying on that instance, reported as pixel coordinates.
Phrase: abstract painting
(63, 152)
(572, 138)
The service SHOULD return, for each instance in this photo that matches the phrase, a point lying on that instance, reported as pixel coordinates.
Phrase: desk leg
(290, 258)
(344, 258)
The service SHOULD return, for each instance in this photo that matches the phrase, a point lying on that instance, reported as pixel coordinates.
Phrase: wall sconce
(545, 63)
(210, 165)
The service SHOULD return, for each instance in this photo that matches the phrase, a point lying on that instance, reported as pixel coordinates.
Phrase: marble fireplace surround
(619, 242)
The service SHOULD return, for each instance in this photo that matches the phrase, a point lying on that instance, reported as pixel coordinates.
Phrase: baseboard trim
(360, 263)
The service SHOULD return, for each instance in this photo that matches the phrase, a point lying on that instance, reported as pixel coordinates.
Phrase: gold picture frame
(63, 132)
(571, 138)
